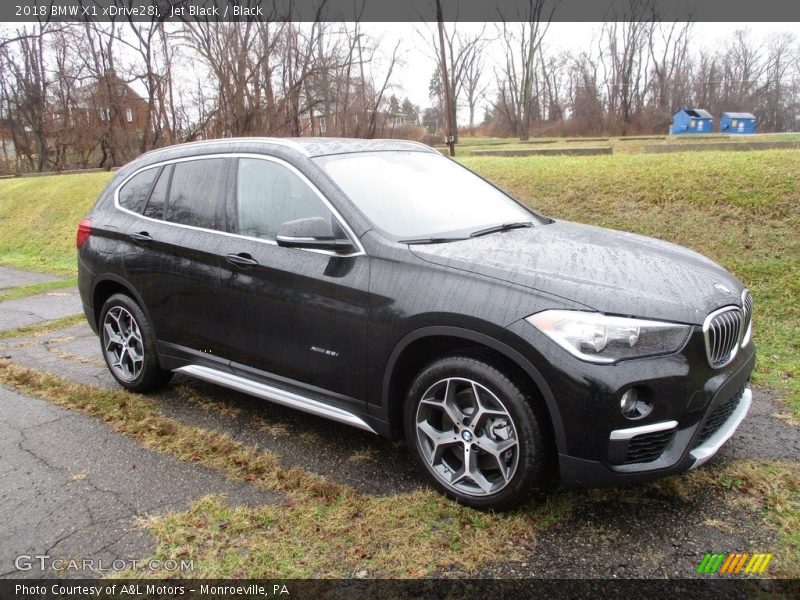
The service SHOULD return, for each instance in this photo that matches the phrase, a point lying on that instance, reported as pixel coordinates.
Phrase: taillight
(84, 231)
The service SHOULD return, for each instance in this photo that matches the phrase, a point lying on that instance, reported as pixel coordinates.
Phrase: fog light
(633, 406)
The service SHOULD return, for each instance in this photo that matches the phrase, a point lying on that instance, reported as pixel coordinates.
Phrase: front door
(296, 314)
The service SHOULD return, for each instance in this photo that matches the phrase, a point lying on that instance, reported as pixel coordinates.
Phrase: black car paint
(370, 310)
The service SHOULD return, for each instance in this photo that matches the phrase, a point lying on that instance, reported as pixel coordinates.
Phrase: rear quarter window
(158, 197)
(133, 195)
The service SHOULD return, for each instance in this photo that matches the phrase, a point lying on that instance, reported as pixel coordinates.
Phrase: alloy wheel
(467, 437)
(122, 342)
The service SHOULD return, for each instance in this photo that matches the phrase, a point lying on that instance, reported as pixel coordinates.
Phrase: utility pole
(448, 103)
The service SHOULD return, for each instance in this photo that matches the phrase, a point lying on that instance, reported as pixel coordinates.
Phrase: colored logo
(733, 563)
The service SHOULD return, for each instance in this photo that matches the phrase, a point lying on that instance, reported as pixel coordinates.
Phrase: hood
(609, 271)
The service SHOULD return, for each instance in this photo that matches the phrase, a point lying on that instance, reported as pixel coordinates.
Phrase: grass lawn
(740, 208)
(39, 217)
(627, 145)
(37, 288)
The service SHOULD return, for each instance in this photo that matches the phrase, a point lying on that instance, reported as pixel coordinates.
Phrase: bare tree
(669, 52)
(66, 89)
(106, 92)
(517, 83)
(626, 40)
(475, 85)
(464, 53)
(586, 102)
(156, 81)
(234, 57)
(780, 88)
(71, 140)
(25, 89)
(553, 70)
(743, 66)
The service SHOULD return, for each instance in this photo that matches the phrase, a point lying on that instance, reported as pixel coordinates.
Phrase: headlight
(599, 338)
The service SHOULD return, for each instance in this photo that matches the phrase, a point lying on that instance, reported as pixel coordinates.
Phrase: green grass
(39, 217)
(628, 145)
(740, 209)
(44, 327)
(24, 291)
(771, 488)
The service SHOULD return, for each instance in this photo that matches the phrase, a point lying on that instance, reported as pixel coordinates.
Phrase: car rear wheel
(128, 345)
(475, 433)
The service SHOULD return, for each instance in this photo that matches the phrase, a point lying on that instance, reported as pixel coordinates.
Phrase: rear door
(176, 260)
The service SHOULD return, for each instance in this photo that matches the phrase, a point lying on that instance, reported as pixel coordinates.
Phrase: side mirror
(314, 233)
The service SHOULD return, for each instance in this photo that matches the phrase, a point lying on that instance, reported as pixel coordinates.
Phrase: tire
(129, 345)
(494, 462)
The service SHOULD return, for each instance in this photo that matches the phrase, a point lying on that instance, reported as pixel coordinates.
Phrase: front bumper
(697, 409)
(706, 451)
(690, 445)
(587, 473)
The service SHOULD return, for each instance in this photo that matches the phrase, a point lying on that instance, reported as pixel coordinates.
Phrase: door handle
(142, 236)
(243, 259)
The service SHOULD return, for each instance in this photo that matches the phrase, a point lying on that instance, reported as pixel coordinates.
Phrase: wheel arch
(106, 286)
(422, 345)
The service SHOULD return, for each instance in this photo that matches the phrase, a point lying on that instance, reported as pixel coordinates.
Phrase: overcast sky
(413, 73)
(413, 76)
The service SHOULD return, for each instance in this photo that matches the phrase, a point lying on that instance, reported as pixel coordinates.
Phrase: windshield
(421, 195)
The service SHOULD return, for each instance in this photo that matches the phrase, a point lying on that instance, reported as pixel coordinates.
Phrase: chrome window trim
(631, 432)
(290, 238)
(707, 327)
(342, 223)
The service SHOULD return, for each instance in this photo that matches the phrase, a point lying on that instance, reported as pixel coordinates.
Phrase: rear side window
(197, 193)
(158, 197)
(270, 194)
(133, 195)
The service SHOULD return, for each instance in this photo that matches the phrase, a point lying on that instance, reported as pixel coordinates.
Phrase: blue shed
(737, 122)
(691, 120)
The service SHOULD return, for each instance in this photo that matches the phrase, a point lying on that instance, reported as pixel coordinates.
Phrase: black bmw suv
(386, 287)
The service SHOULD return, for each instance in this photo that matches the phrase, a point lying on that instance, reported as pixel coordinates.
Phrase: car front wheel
(475, 433)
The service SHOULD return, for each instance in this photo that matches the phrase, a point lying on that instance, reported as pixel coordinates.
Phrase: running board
(273, 394)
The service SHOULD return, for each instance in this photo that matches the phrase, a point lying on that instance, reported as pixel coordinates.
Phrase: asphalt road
(41, 307)
(10, 278)
(73, 489)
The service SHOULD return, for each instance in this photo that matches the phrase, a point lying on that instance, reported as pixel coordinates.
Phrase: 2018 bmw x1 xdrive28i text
(382, 285)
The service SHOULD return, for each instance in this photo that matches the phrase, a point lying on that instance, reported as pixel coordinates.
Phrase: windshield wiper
(503, 227)
(432, 240)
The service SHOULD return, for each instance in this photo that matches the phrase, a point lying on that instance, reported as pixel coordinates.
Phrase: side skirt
(274, 394)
